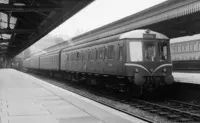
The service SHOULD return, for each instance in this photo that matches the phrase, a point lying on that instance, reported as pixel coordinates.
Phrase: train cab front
(148, 60)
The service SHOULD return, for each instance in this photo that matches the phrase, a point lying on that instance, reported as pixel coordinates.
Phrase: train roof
(140, 34)
(185, 39)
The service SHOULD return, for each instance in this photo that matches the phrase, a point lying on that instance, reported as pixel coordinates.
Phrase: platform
(191, 78)
(26, 99)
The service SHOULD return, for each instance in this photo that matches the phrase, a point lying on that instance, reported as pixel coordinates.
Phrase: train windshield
(136, 51)
(150, 51)
(163, 51)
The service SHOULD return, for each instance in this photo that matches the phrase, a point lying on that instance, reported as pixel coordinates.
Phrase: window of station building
(111, 52)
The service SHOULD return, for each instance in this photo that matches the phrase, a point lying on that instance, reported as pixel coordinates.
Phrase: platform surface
(26, 99)
(191, 78)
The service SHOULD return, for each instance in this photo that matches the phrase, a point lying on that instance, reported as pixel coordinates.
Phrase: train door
(111, 61)
(120, 57)
(105, 59)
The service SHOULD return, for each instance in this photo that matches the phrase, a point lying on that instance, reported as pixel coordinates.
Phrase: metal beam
(12, 8)
(8, 31)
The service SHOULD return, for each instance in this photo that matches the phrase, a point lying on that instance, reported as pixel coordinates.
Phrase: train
(185, 54)
(134, 62)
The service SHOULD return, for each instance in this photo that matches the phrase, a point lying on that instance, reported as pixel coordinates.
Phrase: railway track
(171, 110)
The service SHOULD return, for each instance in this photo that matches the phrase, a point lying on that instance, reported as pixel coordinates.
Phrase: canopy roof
(23, 22)
(173, 18)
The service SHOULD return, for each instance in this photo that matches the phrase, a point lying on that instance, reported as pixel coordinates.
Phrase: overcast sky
(99, 13)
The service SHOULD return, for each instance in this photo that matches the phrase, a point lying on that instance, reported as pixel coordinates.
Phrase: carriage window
(179, 48)
(136, 51)
(120, 53)
(183, 48)
(195, 46)
(78, 55)
(149, 51)
(191, 47)
(101, 53)
(84, 55)
(172, 48)
(199, 45)
(111, 52)
(97, 54)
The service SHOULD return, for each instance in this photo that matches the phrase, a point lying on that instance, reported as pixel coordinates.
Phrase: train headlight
(136, 70)
(164, 70)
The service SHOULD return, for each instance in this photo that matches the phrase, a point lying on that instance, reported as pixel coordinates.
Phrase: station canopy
(174, 18)
(23, 22)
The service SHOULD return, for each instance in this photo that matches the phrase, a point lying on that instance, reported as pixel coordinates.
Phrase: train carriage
(141, 56)
(135, 60)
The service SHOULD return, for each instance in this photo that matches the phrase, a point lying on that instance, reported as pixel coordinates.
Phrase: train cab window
(163, 51)
(149, 51)
(136, 51)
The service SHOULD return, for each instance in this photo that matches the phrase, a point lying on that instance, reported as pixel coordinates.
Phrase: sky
(99, 13)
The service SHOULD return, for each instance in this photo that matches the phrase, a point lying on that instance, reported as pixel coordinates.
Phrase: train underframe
(126, 85)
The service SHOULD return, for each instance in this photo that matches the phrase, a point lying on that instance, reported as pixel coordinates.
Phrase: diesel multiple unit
(132, 61)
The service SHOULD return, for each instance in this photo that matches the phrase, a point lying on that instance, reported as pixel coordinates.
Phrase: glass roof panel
(4, 21)
(4, 1)
(5, 36)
